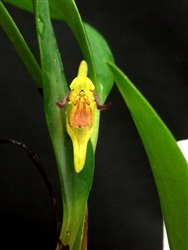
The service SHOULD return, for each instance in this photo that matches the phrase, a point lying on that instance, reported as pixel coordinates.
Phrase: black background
(149, 40)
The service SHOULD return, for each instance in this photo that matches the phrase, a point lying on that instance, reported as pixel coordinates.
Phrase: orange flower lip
(81, 112)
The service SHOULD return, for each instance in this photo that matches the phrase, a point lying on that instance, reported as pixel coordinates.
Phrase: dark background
(149, 40)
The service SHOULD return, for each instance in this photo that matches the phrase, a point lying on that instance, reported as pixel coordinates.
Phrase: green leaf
(75, 187)
(169, 166)
(101, 52)
(20, 45)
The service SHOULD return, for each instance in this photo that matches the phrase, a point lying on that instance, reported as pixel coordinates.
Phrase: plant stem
(85, 231)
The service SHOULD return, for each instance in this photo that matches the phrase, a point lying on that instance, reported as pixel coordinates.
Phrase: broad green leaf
(101, 52)
(75, 187)
(20, 45)
(169, 166)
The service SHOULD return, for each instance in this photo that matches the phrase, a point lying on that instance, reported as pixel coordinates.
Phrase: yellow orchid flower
(82, 102)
